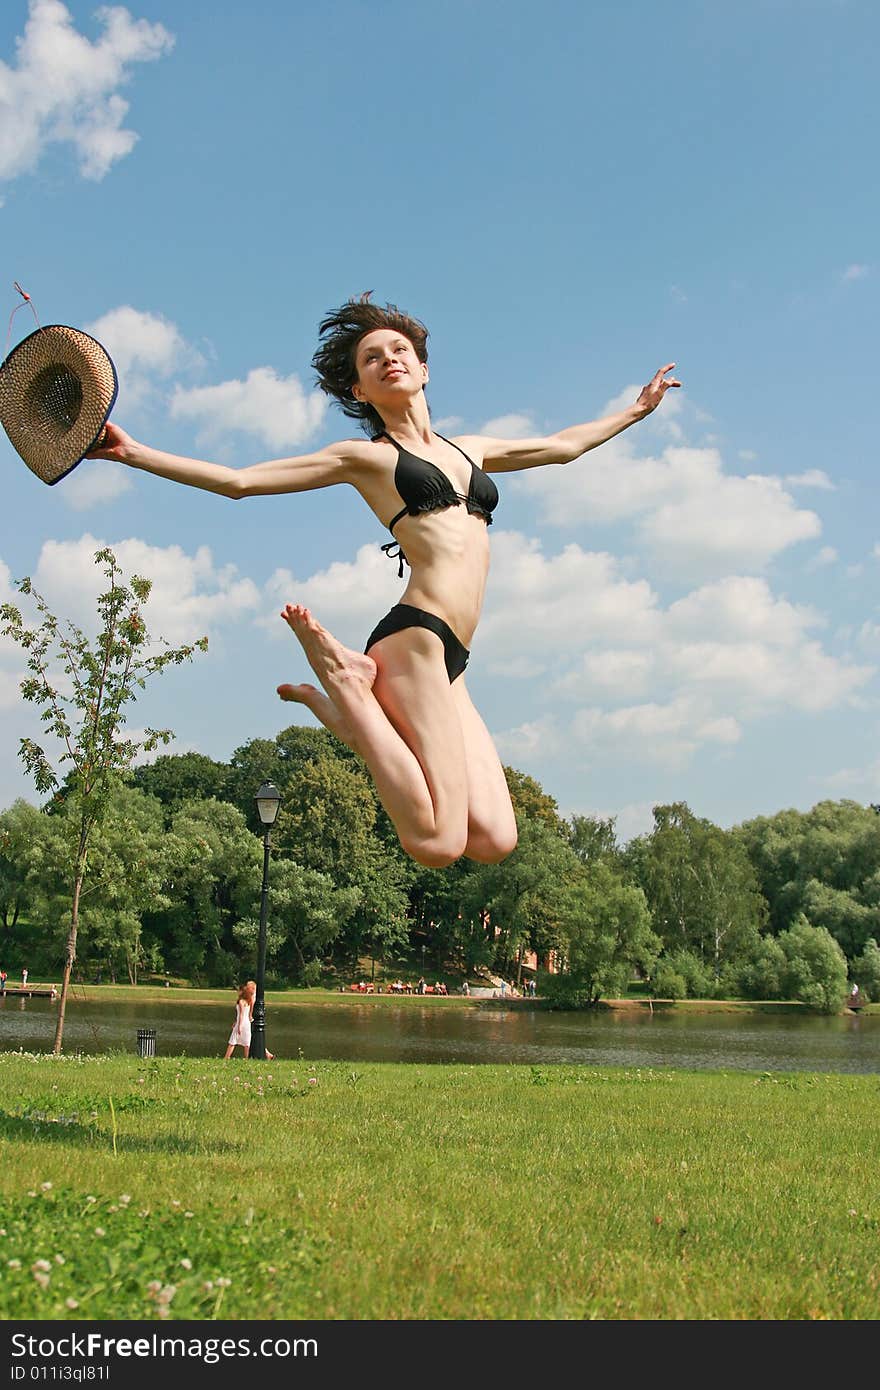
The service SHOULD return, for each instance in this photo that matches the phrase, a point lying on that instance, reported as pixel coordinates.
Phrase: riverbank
(382, 1191)
(316, 997)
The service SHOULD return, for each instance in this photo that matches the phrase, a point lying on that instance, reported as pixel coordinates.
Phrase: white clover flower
(59, 1259)
(125, 1199)
(42, 1279)
(166, 1294)
(99, 1231)
(13, 1264)
(41, 1264)
(188, 1214)
(186, 1263)
(222, 1283)
(91, 1199)
(154, 1286)
(71, 1303)
(46, 1186)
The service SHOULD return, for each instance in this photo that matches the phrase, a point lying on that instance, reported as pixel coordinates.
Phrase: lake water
(438, 1033)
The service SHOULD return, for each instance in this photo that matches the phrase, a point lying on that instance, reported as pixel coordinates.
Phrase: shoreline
(327, 998)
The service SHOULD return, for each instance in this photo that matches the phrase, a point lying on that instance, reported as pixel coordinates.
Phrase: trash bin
(146, 1042)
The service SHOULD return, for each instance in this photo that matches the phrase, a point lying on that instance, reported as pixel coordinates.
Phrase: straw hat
(57, 388)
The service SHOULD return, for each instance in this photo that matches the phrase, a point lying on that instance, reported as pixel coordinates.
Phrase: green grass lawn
(185, 1188)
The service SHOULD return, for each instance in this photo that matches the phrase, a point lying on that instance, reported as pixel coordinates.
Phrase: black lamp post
(268, 800)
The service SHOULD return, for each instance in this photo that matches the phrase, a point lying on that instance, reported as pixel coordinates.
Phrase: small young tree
(87, 717)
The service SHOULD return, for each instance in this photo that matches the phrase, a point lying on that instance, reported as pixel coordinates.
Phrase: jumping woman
(402, 704)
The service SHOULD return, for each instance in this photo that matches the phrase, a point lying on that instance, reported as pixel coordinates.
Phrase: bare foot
(345, 675)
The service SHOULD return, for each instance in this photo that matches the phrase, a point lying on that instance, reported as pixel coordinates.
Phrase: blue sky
(569, 195)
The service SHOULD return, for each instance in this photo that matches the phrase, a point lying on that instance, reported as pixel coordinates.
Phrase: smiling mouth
(395, 371)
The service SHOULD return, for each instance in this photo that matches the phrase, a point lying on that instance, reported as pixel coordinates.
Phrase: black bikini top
(425, 488)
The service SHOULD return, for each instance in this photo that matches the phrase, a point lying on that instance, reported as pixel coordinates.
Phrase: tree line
(783, 906)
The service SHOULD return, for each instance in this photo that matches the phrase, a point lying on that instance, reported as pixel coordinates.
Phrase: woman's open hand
(651, 395)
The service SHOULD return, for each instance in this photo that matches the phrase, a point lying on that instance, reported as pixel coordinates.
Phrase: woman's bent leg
(492, 832)
(396, 710)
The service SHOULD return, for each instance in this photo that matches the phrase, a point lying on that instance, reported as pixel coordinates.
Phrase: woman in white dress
(244, 1013)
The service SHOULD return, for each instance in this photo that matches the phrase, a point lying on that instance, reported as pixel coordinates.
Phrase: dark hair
(334, 361)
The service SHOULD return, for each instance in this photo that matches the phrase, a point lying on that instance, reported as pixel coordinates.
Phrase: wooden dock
(30, 992)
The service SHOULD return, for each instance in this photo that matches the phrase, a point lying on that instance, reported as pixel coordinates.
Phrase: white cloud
(826, 556)
(856, 271)
(539, 606)
(95, 481)
(720, 519)
(652, 732)
(274, 409)
(510, 427)
(869, 638)
(636, 818)
(141, 341)
(349, 598)
(692, 515)
(536, 739)
(622, 674)
(146, 349)
(740, 607)
(814, 477)
(610, 672)
(190, 596)
(63, 88)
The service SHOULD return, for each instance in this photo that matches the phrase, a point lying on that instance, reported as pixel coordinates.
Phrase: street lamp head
(268, 799)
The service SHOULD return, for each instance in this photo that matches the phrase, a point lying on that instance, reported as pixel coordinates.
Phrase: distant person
(24, 975)
(3, 979)
(466, 989)
(244, 1017)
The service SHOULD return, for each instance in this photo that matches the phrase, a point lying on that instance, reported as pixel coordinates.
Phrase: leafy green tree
(700, 886)
(815, 969)
(683, 974)
(593, 838)
(279, 760)
(606, 934)
(214, 874)
(85, 710)
(521, 899)
(866, 971)
(25, 834)
(306, 913)
(328, 824)
(126, 880)
(177, 777)
(824, 863)
(530, 801)
(850, 921)
(758, 972)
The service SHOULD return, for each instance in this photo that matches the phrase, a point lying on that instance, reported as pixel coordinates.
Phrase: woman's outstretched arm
(321, 469)
(508, 455)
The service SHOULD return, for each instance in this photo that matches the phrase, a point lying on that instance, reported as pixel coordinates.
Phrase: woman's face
(388, 368)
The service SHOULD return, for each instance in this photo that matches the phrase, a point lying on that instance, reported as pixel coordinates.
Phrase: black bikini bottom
(403, 615)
